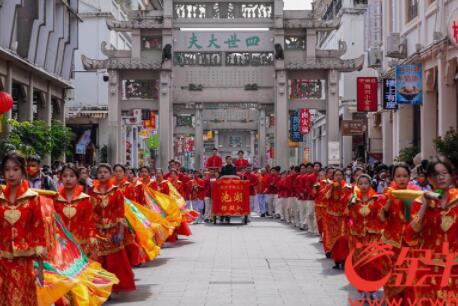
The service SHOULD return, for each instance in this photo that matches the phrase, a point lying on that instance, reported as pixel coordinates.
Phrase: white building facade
(38, 40)
(185, 87)
(87, 113)
(357, 19)
(416, 31)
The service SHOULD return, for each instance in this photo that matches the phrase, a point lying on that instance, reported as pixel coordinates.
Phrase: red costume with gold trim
(365, 228)
(78, 217)
(109, 218)
(22, 239)
(337, 195)
(134, 251)
(438, 225)
(395, 221)
(320, 207)
(139, 190)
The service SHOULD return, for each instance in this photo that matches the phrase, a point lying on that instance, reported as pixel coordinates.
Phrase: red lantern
(6, 102)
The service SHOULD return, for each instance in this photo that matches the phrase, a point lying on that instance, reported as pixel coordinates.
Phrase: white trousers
(302, 213)
(279, 206)
(310, 217)
(208, 208)
(291, 208)
(254, 206)
(273, 204)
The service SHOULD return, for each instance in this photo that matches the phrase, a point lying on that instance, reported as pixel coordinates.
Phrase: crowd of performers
(351, 209)
(398, 206)
(122, 217)
(74, 240)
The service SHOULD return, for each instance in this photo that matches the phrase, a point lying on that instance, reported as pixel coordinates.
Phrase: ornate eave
(333, 53)
(109, 51)
(127, 25)
(346, 65)
(119, 64)
(315, 24)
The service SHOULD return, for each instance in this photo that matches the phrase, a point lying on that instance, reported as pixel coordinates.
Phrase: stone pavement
(263, 263)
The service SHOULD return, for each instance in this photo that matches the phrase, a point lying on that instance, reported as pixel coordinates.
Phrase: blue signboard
(409, 84)
(389, 94)
(295, 127)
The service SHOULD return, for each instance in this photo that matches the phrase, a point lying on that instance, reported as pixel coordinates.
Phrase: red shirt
(22, 224)
(77, 215)
(265, 182)
(282, 186)
(214, 162)
(309, 181)
(197, 189)
(241, 164)
(164, 187)
(273, 186)
(290, 181)
(108, 216)
(253, 179)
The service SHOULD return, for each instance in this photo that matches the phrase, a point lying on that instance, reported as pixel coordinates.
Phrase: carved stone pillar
(262, 138)
(114, 118)
(165, 113)
(199, 138)
(332, 119)
(281, 149)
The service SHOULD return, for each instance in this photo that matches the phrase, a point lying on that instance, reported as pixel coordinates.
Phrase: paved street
(263, 263)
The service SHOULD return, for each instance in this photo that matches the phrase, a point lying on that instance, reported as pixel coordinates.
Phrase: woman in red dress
(110, 223)
(337, 195)
(22, 236)
(144, 181)
(435, 223)
(396, 215)
(365, 226)
(321, 203)
(163, 184)
(174, 179)
(134, 251)
(75, 210)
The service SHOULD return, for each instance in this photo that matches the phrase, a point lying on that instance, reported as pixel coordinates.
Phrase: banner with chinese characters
(306, 89)
(295, 127)
(150, 121)
(231, 197)
(366, 100)
(304, 116)
(198, 41)
(409, 84)
(389, 94)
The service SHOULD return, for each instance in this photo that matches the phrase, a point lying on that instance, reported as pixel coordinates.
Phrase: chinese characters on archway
(232, 41)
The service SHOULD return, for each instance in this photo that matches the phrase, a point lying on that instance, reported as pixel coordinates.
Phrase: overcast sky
(297, 4)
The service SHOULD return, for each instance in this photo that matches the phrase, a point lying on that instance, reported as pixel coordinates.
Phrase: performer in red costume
(108, 202)
(76, 211)
(22, 235)
(337, 195)
(214, 162)
(240, 163)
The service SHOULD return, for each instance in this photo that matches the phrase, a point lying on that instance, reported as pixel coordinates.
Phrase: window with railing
(411, 9)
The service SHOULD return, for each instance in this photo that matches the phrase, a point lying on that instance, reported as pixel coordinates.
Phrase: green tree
(407, 155)
(62, 138)
(37, 138)
(448, 145)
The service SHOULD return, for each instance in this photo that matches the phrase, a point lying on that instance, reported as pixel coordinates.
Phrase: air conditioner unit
(374, 58)
(396, 46)
(437, 36)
